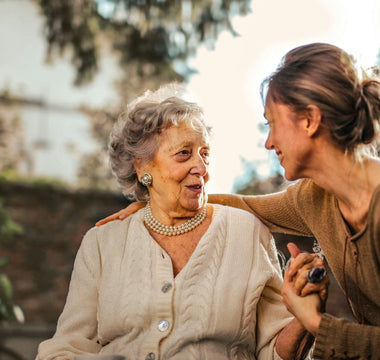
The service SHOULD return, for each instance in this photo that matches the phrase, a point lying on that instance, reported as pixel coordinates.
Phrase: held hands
(298, 270)
(123, 213)
(305, 300)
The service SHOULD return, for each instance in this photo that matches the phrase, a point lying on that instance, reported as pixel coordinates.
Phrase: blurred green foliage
(150, 37)
(8, 310)
(8, 229)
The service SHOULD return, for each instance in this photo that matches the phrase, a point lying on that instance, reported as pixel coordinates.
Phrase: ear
(313, 120)
(140, 169)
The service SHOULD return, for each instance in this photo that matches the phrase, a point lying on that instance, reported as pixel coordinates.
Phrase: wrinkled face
(180, 172)
(288, 138)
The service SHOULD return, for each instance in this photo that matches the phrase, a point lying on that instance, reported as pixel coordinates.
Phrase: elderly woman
(179, 279)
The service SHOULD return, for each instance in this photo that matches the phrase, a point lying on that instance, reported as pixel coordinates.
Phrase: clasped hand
(305, 300)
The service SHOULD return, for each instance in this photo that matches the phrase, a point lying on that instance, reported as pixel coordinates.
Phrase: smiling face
(180, 171)
(288, 138)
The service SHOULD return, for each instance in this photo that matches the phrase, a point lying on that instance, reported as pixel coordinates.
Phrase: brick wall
(54, 222)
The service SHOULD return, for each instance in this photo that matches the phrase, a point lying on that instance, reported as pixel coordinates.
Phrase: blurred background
(67, 70)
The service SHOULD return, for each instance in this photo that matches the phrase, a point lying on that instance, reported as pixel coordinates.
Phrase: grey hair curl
(136, 134)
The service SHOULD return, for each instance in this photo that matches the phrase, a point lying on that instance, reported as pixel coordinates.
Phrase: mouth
(197, 188)
(279, 155)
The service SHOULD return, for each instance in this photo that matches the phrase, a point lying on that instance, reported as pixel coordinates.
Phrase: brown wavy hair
(325, 75)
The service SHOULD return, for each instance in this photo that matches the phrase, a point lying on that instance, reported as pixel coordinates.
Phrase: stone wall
(54, 222)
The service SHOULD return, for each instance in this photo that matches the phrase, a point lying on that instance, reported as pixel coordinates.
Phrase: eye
(268, 123)
(183, 155)
(205, 154)
(184, 152)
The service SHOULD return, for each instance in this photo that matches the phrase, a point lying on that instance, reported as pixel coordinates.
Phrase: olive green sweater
(123, 299)
(306, 209)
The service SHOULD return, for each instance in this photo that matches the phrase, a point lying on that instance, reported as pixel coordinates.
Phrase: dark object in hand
(316, 275)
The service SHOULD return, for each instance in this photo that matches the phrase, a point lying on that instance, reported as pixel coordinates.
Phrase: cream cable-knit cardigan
(224, 304)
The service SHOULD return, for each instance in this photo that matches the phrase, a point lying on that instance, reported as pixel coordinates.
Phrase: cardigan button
(150, 356)
(163, 325)
(166, 287)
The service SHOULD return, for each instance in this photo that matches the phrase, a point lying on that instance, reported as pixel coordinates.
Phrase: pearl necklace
(168, 230)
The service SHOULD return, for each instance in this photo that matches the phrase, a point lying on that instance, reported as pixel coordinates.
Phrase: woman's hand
(303, 299)
(306, 309)
(300, 265)
(122, 214)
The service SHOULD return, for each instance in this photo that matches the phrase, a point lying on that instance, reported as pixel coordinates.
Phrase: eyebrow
(185, 144)
(181, 144)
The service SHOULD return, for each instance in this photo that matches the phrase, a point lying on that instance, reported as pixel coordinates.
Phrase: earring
(146, 179)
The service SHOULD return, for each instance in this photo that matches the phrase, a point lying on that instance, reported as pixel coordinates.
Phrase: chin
(288, 175)
(291, 176)
(196, 204)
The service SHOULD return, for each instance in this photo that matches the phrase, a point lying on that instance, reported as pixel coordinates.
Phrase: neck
(173, 213)
(345, 177)
(171, 230)
(350, 181)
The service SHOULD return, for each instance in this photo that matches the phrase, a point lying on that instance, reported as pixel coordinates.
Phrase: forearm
(294, 341)
(277, 211)
(346, 339)
(235, 201)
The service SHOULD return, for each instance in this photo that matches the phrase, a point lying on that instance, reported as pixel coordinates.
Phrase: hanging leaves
(155, 32)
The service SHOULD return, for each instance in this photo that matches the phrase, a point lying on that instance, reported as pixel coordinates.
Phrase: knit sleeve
(272, 315)
(77, 326)
(282, 212)
(343, 339)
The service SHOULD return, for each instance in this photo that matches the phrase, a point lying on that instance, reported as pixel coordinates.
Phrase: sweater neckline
(217, 209)
(357, 235)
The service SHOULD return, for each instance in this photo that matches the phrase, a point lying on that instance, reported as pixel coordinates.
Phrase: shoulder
(307, 193)
(235, 213)
(110, 233)
(304, 188)
(241, 219)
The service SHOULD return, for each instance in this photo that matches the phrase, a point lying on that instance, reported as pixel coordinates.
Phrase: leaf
(5, 287)
(18, 314)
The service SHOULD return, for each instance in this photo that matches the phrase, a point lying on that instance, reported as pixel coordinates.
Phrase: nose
(200, 167)
(268, 142)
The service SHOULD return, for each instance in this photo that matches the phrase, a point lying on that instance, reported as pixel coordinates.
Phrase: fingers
(301, 266)
(123, 213)
(320, 288)
(304, 259)
(110, 218)
(131, 209)
(297, 273)
(293, 249)
(302, 287)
